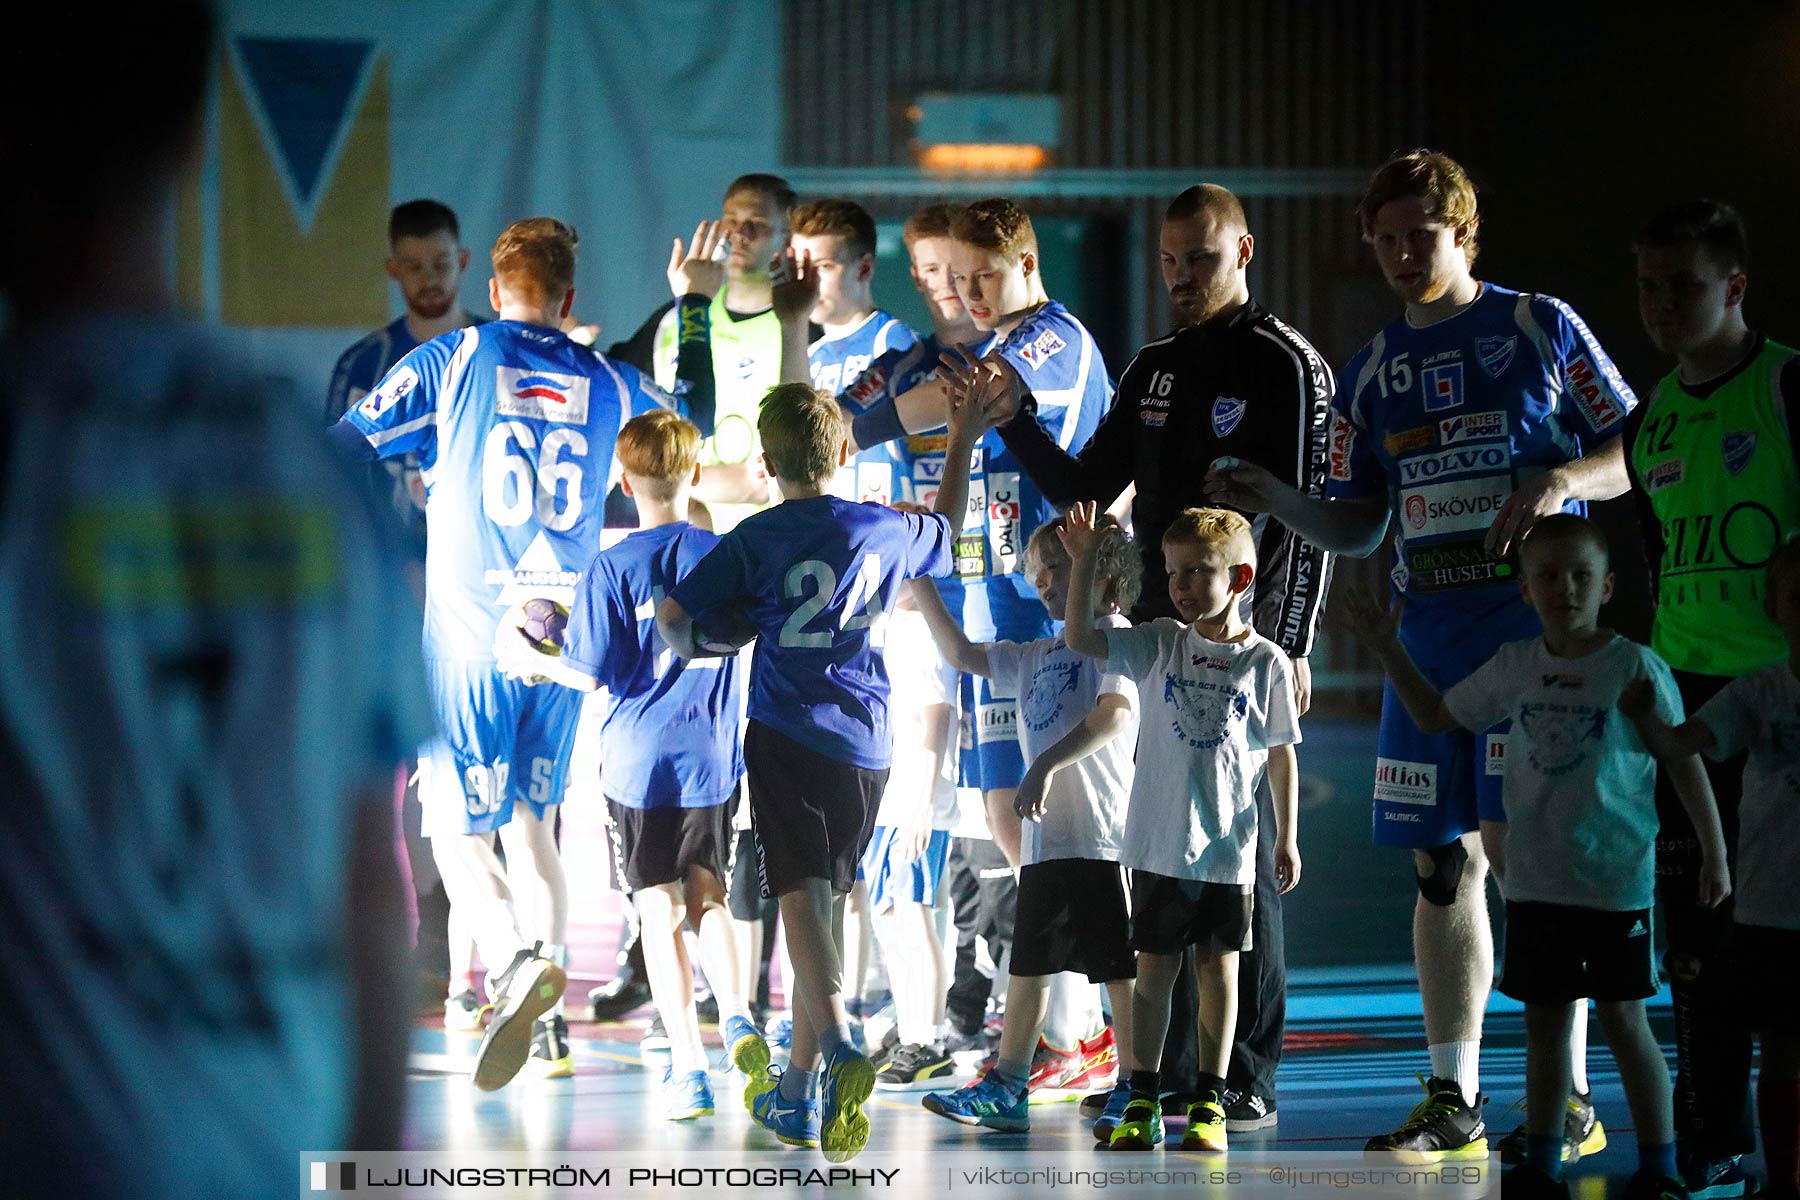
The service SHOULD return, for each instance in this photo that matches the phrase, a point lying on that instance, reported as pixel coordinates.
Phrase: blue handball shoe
(846, 1080)
(687, 1095)
(748, 1054)
(794, 1123)
(987, 1102)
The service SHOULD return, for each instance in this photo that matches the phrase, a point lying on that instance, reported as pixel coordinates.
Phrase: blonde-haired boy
(1219, 712)
(671, 752)
(817, 577)
(1078, 728)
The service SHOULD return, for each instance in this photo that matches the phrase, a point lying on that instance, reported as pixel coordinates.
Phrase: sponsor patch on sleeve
(392, 390)
(1042, 348)
(1594, 395)
(1343, 445)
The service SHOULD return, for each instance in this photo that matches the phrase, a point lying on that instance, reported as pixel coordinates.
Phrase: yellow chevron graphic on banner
(272, 269)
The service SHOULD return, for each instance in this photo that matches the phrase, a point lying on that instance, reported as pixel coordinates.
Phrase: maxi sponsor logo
(1343, 445)
(1425, 467)
(1599, 403)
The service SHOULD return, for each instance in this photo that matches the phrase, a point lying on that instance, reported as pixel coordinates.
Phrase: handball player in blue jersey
(514, 426)
(816, 576)
(426, 260)
(1473, 415)
(670, 751)
(1037, 343)
(839, 237)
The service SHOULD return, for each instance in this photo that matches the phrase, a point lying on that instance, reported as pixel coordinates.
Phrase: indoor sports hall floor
(1354, 1038)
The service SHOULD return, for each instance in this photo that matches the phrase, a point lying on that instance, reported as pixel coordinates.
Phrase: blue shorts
(991, 758)
(891, 878)
(1431, 788)
(498, 741)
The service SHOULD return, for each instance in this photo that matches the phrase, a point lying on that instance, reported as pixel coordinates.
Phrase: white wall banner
(626, 118)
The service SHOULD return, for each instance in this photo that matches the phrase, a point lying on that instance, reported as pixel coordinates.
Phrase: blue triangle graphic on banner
(305, 86)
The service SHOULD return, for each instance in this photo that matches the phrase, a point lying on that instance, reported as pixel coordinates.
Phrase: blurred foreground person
(211, 668)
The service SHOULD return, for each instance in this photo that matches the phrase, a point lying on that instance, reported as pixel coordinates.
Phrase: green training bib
(1719, 471)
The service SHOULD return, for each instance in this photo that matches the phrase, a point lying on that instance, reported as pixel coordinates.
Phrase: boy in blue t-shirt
(817, 577)
(670, 748)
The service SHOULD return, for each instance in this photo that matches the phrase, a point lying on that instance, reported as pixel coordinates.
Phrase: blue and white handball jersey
(1063, 369)
(514, 426)
(839, 361)
(670, 738)
(818, 578)
(1446, 422)
(917, 461)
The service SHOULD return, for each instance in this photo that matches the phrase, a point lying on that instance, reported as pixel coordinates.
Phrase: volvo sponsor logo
(1453, 462)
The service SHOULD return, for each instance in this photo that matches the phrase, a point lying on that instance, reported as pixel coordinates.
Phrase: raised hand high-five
(990, 382)
(698, 268)
(1078, 535)
(793, 285)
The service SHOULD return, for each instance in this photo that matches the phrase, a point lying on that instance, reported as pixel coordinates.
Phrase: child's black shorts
(1559, 953)
(1073, 915)
(813, 815)
(658, 845)
(1169, 915)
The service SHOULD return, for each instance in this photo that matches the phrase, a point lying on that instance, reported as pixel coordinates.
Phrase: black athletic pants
(1713, 1118)
(983, 898)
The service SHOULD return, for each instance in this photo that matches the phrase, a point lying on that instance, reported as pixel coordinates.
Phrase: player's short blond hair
(932, 221)
(845, 220)
(802, 430)
(536, 257)
(659, 451)
(1117, 567)
(1220, 529)
(1437, 180)
(998, 226)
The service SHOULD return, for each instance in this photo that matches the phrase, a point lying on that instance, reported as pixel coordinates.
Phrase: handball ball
(544, 622)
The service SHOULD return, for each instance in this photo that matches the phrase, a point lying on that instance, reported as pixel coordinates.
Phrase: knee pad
(1440, 886)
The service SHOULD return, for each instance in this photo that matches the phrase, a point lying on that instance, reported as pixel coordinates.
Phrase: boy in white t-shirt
(1760, 712)
(1078, 728)
(903, 867)
(1580, 836)
(1218, 711)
